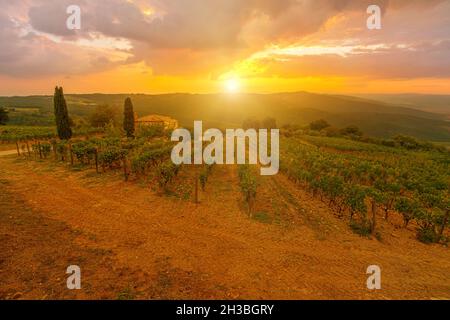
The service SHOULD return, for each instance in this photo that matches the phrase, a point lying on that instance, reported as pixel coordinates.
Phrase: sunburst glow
(232, 85)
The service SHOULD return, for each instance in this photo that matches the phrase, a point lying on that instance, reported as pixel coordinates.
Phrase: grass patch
(91, 174)
(126, 294)
(78, 167)
(262, 217)
(362, 229)
(426, 235)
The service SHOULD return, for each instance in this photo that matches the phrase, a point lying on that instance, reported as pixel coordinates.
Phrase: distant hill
(425, 102)
(375, 118)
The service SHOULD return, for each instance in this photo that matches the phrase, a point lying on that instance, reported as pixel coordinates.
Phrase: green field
(9, 134)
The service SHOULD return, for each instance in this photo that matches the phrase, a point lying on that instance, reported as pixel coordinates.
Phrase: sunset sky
(206, 46)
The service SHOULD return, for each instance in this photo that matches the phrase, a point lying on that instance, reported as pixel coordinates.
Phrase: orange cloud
(178, 45)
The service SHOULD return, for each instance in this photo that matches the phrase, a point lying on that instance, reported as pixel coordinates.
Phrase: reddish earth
(7, 146)
(7, 152)
(133, 243)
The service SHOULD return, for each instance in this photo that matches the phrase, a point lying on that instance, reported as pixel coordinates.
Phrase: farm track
(171, 248)
(7, 152)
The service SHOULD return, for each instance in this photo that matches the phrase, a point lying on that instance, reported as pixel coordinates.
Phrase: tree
(406, 142)
(251, 123)
(61, 115)
(102, 116)
(332, 132)
(352, 131)
(319, 125)
(3, 116)
(128, 118)
(269, 123)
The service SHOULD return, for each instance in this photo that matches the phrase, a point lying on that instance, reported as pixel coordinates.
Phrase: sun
(232, 85)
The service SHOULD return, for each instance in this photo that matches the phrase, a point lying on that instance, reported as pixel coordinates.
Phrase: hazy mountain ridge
(429, 103)
(220, 110)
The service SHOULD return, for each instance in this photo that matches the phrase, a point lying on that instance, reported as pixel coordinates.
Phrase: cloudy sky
(155, 46)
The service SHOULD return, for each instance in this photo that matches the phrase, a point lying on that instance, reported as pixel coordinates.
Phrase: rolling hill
(375, 118)
(425, 102)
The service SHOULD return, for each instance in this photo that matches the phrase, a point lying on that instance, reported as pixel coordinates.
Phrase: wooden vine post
(250, 204)
(54, 151)
(71, 154)
(18, 149)
(196, 184)
(125, 171)
(444, 223)
(28, 149)
(374, 216)
(35, 152)
(40, 150)
(96, 160)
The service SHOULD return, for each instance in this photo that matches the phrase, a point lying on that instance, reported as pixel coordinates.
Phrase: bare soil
(132, 242)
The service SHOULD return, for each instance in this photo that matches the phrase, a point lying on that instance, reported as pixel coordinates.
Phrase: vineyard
(137, 158)
(145, 158)
(236, 151)
(12, 134)
(360, 181)
(336, 206)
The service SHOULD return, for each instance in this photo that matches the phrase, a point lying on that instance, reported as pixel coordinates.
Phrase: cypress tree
(128, 118)
(3, 116)
(61, 115)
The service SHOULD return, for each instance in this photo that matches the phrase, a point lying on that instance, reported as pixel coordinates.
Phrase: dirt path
(7, 152)
(37, 250)
(177, 249)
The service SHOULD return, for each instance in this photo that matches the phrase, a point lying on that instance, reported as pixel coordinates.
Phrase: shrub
(251, 123)
(204, 175)
(61, 148)
(319, 125)
(84, 150)
(102, 116)
(352, 131)
(46, 148)
(269, 123)
(150, 155)
(408, 208)
(354, 199)
(151, 131)
(332, 132)
(203, 180)
(166, 172)
(111, 156)
(362, 228)
(248, 184)
(426, 234)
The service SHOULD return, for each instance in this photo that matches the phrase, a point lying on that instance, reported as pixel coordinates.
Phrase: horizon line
(228, 94)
